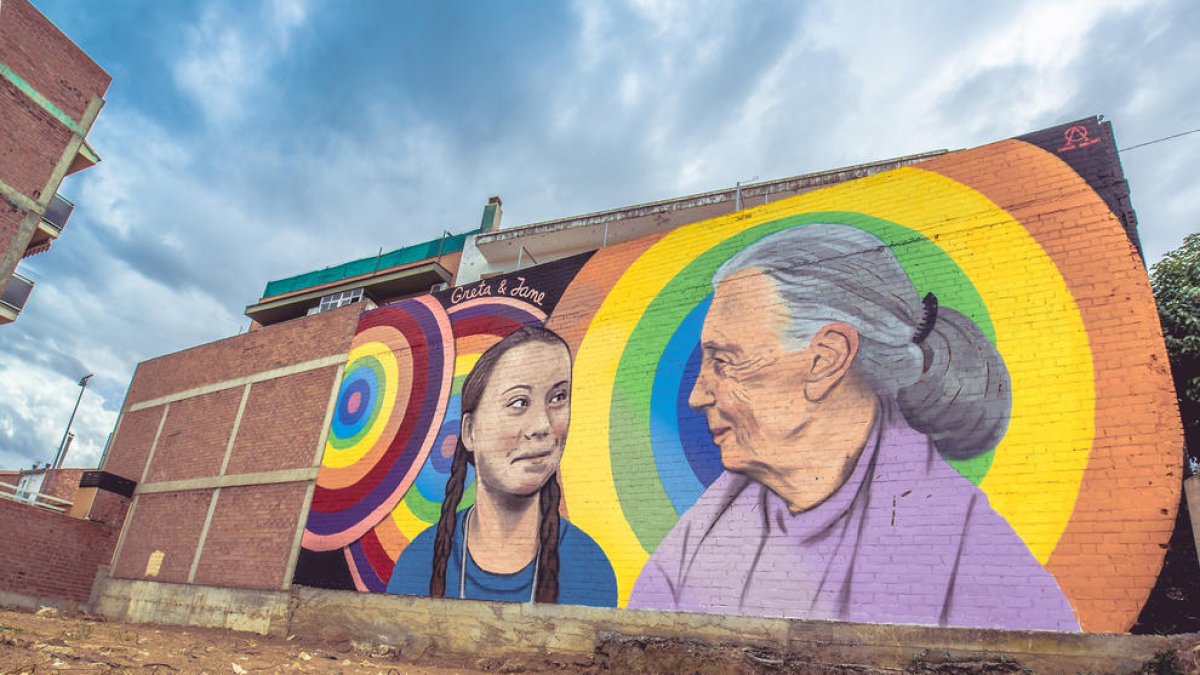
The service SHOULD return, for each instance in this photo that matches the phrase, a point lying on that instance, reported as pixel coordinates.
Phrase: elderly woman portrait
(512, 544)
(835, 391)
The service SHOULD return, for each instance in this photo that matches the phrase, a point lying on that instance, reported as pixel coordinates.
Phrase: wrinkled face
(750, 383)
(518, 429)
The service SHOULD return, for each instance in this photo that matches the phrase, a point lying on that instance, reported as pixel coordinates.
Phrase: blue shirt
(585, 577)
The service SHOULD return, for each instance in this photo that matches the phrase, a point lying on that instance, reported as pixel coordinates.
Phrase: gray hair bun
(951, 385)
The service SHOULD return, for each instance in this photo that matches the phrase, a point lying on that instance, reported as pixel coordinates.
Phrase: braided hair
(550, 494)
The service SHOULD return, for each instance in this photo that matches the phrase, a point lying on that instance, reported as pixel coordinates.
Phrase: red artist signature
(1077, 137)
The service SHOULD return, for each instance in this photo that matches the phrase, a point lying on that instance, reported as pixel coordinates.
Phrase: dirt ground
(47, 641)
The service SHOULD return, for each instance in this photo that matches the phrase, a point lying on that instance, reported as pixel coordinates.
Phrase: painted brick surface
(50, 555)
(251, 536)
(282, 421)
(194, 437)
(1108, 268)
(168, 524)
(48, 60)
(1044, 506)
(715, 456)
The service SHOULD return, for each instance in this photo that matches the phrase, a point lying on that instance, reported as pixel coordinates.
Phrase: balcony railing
(34, 498)
(16, 291)
(58, 211)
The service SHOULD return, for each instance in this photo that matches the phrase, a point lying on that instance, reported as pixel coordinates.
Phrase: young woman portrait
(512, 544)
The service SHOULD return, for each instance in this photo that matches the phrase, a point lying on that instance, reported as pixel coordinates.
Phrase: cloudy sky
(249, 141)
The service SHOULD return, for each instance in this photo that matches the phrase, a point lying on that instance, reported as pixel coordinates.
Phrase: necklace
(462, 567)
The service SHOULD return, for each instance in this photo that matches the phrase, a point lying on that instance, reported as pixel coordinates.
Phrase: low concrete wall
(492, 633)
(263, 612)
(419, 627)
(424, 626)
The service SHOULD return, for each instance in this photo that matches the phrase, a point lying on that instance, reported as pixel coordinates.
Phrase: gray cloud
(246, 145)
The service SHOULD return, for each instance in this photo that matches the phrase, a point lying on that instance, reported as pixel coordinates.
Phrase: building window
(335, 300)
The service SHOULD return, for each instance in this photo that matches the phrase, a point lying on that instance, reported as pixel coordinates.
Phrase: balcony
(58, 211)
(51, 226)
(381, 287)
(13, 297)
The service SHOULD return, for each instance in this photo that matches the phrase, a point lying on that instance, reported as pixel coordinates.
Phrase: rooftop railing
(17, 494)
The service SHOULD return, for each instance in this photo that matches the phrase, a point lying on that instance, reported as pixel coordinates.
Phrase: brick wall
(49, 555)
(48, 60)
(1058, 520)
(131, 444)
(233, 428)
(1055, 520)
(251, 536)
(273, 347)
(170, 523)
(31, 142)
(280, 424)
(193, 438)
(32, 139)
(10, 223)
(63, 483)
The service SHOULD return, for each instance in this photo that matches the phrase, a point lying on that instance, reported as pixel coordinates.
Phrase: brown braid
(547, 565)
(446, 523)
(551, 495)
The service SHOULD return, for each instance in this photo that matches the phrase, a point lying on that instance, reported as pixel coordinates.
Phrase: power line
(1158, 140)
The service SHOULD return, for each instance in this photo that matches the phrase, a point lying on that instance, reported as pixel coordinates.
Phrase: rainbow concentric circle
(637, 447)
(473, 327)
(390, 405)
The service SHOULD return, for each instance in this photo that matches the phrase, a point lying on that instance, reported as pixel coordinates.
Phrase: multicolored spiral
(475, 325)
(389, 408)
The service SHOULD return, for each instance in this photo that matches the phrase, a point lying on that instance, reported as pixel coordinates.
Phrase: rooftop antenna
(737, 193)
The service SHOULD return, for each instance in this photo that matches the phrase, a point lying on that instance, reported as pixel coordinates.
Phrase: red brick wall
(31, 142)
(63, 483)
(108, 507)
(169, 522)
(193, 439)
(251, 536)
(48, 60)
(281, 424)
(10, 222)
(50, 555)
(131, 445)
(276, 346)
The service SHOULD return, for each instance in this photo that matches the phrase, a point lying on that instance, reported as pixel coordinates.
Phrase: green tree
(1174, 602)
(1176, 283)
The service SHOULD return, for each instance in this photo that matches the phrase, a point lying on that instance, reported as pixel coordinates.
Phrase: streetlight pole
(62, 445)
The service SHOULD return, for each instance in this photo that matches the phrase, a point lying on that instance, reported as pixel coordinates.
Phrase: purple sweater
(905, 540)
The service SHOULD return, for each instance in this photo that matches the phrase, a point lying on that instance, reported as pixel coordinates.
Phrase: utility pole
(60, 455)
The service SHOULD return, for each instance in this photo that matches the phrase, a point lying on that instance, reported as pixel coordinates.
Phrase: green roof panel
(355, 268)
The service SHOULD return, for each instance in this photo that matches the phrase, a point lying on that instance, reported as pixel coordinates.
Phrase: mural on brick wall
(911, 398)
